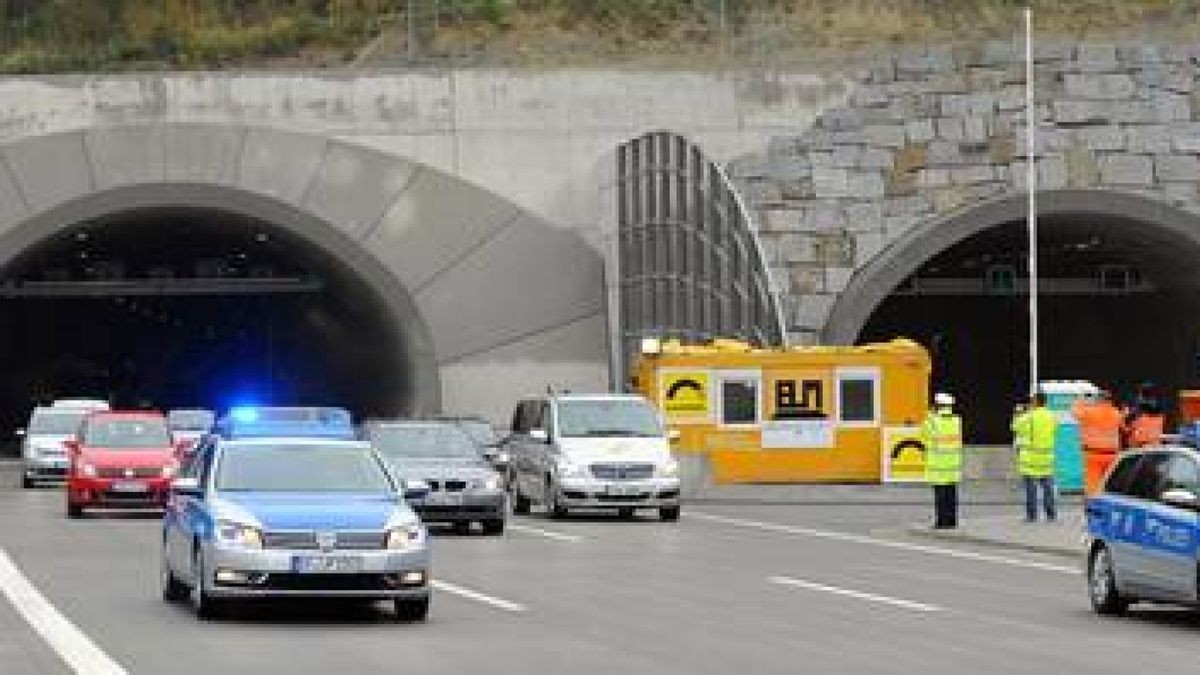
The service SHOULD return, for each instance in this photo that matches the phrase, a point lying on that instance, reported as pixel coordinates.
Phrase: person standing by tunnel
(1035, 431)
(1144, 423)
(942, 435)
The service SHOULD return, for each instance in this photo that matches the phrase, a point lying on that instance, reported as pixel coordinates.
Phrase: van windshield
(56, 422)
(611, 417)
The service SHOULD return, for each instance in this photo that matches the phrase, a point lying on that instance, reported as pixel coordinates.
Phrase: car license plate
(445, 499)
(132, 487)
(623, 490)
(325, 564)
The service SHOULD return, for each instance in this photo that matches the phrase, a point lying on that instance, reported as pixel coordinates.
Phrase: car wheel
(411, 609)
(173, 590)
(462, 528)
(669, 513)
(27, 482)
(205, 606)
(553, 508)
(626, 513)
(1102, 584)
(74, 511)
(493, 527)
(521, 503)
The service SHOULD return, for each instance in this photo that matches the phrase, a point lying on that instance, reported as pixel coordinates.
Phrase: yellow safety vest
(1038, 427)
(942, 434)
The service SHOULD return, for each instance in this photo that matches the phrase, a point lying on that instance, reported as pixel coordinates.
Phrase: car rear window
(126, 433)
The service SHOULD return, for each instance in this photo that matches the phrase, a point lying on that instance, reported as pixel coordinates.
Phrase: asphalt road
(766, 589)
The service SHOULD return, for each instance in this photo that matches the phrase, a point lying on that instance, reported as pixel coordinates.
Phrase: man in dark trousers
(942, 434)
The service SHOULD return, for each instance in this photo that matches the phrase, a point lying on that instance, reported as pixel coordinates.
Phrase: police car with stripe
(287, 502)
(1143, 530)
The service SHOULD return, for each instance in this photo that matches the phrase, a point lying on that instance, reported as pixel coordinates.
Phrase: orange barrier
(1095, 465)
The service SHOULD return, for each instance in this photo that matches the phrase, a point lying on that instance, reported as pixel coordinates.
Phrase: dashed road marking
(886, 543)
(851, 593)
(498, 603)
(549, 534)
(74, 647)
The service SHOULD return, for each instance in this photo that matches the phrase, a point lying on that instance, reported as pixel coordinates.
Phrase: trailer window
(739, 399)
(858, 397)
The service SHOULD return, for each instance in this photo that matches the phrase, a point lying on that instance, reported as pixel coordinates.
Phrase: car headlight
(489, 483)
(569, 469)
(169, 470)
(404, 537)
(239, 534)
(88, 470)
(668, 469)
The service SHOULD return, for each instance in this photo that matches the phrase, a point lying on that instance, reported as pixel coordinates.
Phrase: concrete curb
(925, 532)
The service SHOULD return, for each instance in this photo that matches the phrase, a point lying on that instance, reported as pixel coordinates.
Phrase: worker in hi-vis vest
(1034, 432)
(942, 435)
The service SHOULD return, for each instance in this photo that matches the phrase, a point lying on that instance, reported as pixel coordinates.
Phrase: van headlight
(405, 537)
(569, 469)
(668, 469)
(239, 534)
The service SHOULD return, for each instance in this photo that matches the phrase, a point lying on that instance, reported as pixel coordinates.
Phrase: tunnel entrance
(178, 306)
(1119, 301)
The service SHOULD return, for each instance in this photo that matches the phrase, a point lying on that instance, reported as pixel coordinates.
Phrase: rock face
(930, 135)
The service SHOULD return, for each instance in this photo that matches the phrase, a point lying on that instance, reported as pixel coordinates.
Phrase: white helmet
(943, 400)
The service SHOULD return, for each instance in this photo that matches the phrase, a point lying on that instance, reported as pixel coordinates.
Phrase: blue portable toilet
(1068, 447)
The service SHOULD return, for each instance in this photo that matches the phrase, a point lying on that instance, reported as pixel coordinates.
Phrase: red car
(120, 460)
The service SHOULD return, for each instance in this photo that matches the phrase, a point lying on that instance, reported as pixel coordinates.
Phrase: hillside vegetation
(87, 35)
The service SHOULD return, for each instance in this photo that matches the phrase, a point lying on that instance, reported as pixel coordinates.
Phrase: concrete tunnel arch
(487, 302)
(871, 284)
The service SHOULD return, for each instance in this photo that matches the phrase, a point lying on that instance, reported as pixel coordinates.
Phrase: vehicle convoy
(1143, 530)
(280, 504)
(603, 451)
(462, 488)
(120, 460)
(43, 448)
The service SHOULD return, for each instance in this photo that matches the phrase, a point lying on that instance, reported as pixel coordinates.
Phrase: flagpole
(1031, 165)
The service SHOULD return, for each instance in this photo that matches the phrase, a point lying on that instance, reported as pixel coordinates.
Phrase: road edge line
(72, 645)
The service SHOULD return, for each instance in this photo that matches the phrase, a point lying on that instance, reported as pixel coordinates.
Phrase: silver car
(43, 453)
(462, 488)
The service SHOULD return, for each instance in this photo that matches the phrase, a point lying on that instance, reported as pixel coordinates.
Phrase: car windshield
(611, 417)
(423, 441)
(127, 433)
(57, 422)
(190, 420)
(301, 468)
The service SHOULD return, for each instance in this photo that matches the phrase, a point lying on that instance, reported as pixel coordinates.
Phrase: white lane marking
(886, 543)
(498, 603)
(72, 646)
(549, 534)
(850, 593)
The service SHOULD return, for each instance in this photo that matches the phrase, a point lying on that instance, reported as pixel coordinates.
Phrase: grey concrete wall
(472, 200)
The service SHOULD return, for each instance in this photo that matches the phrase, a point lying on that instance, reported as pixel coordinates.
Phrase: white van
(599, 451)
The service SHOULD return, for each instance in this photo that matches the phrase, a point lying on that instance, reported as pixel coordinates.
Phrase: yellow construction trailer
(801, 414)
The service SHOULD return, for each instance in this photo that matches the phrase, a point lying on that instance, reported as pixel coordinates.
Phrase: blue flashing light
(244, 414)
(272, 422)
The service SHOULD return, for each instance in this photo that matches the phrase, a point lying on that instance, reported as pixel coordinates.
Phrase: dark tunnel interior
(171, 308)
(1119, 305)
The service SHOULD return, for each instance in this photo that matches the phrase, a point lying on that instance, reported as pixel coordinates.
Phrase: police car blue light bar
(295, 422)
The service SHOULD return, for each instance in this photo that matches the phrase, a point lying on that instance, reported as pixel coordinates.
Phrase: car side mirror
(539, 435)
(1181, 498)
(187, 487)
(19, 433)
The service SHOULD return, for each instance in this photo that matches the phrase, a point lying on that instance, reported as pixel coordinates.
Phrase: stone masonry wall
(929, 135)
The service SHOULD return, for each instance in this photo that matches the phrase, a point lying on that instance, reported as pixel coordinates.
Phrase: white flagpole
(1031, 149)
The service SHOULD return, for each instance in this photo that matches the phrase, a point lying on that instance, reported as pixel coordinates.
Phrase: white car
(43, 453)
(601, 451)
